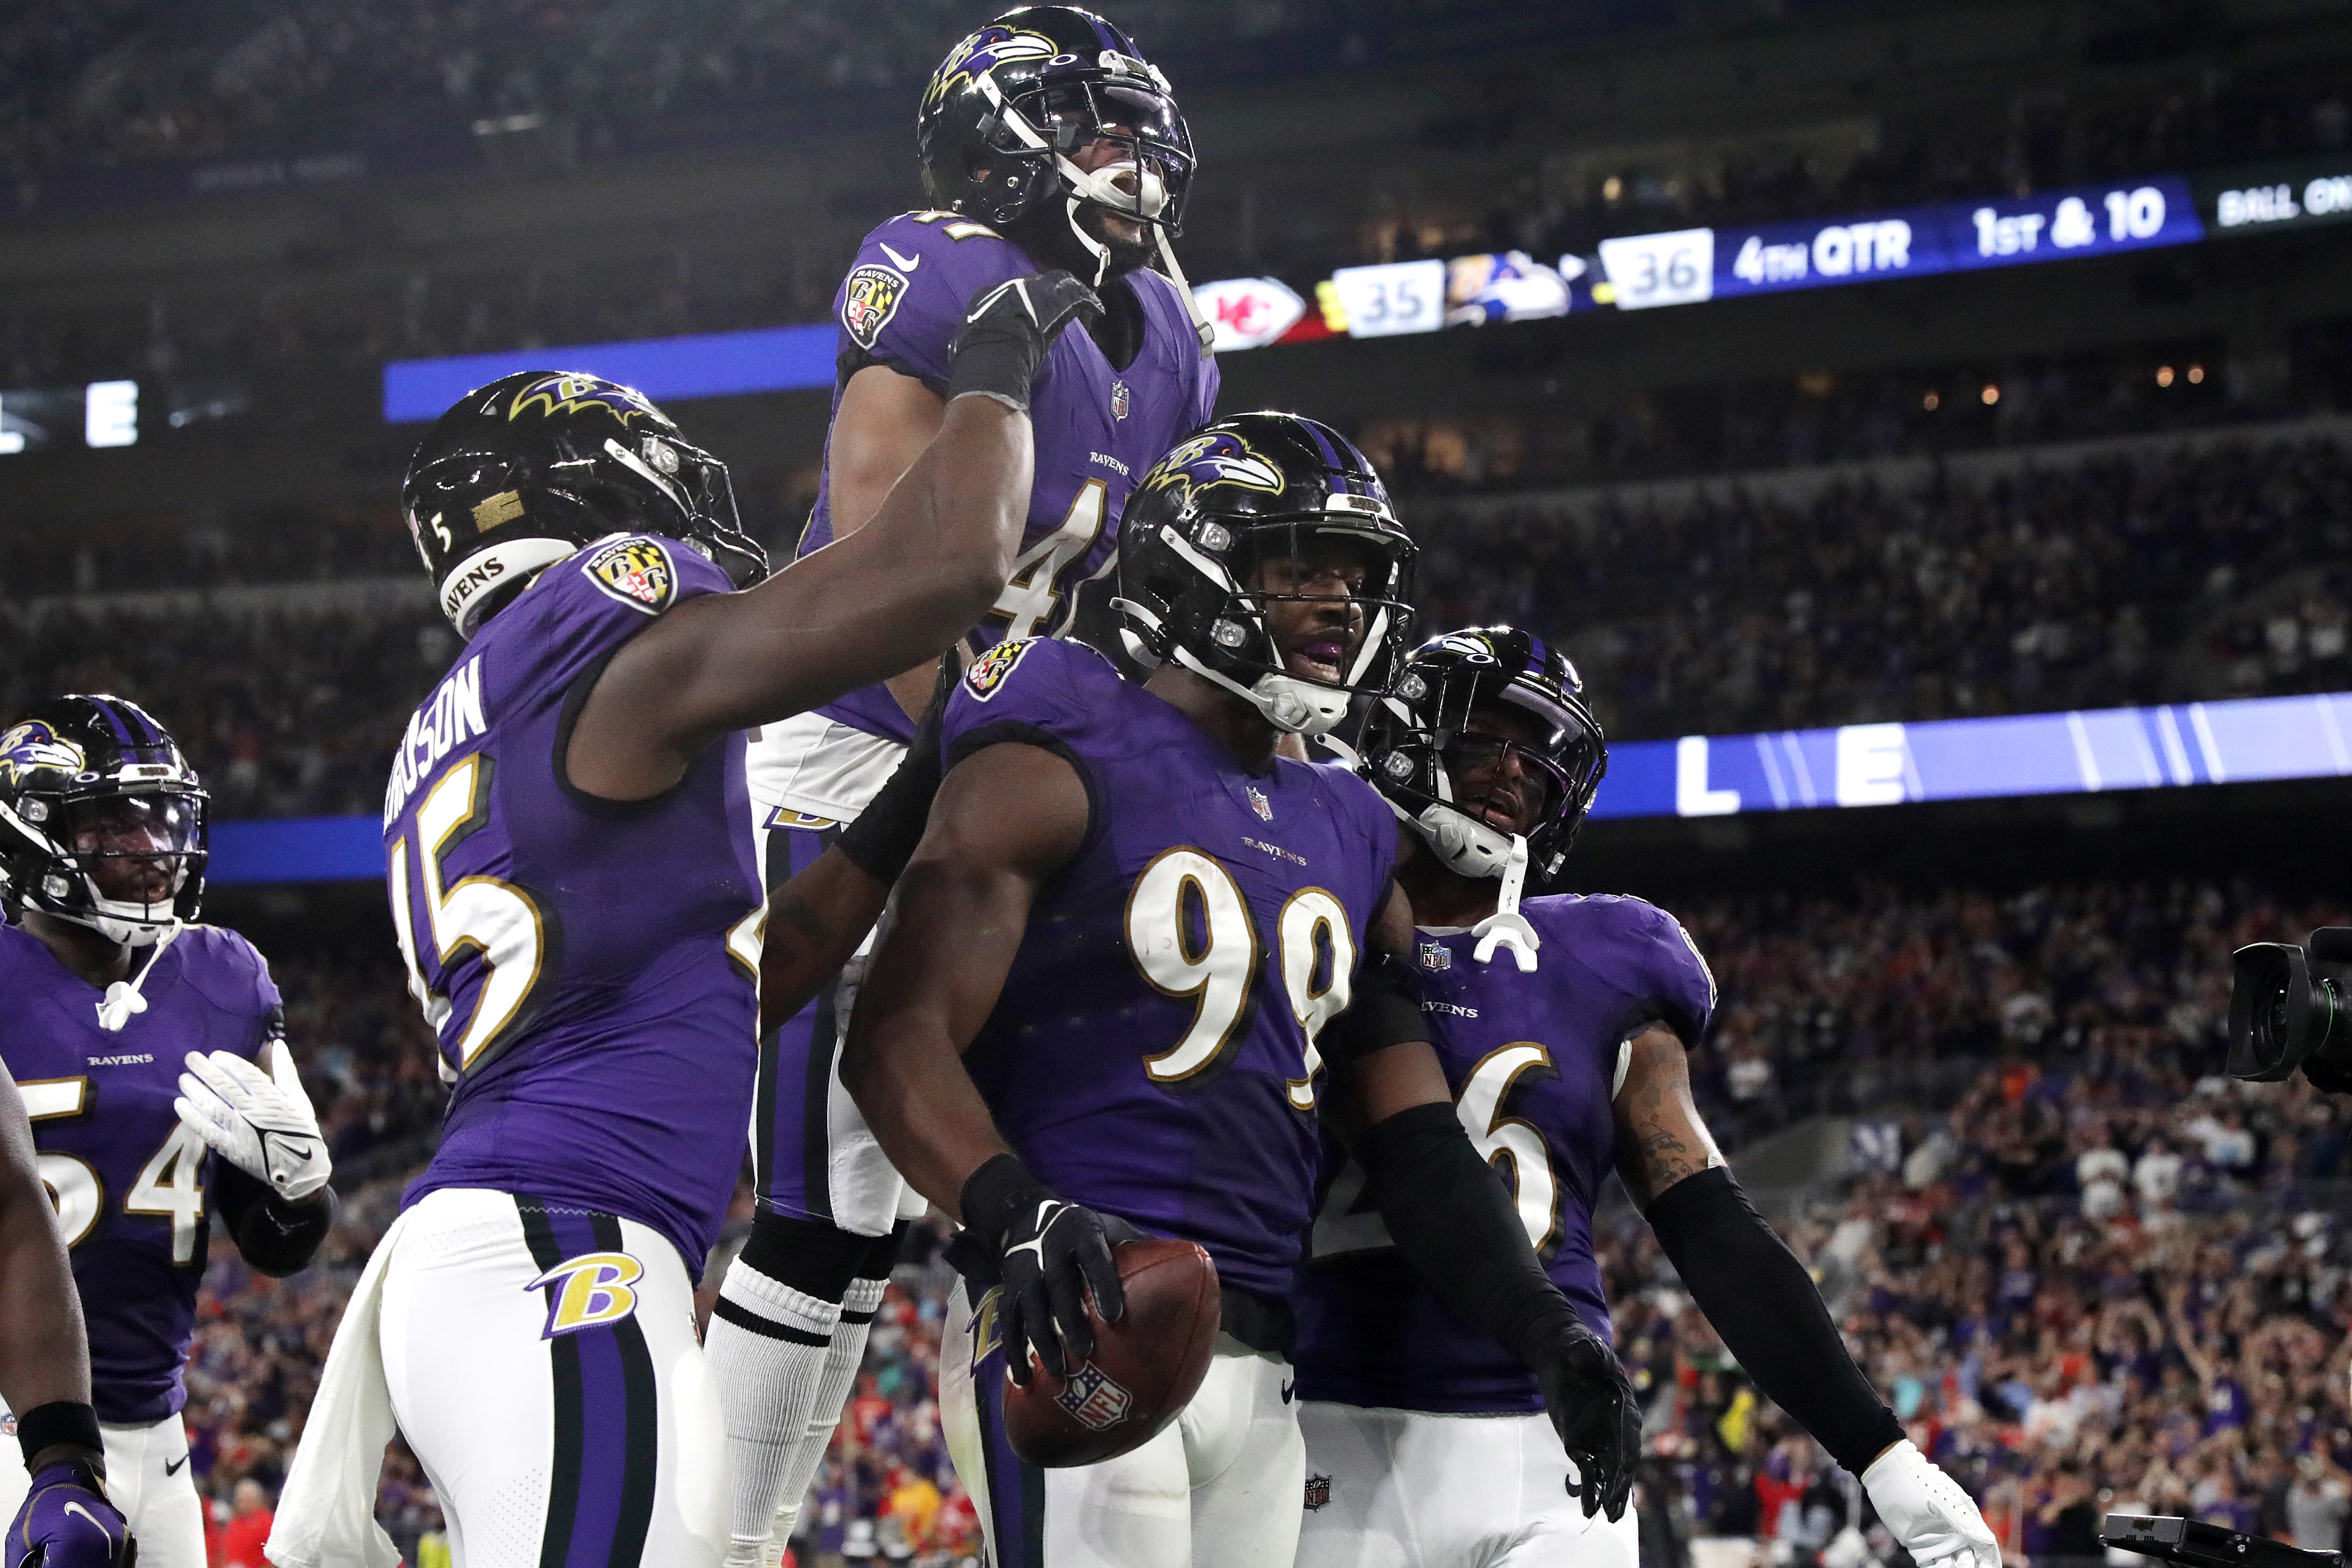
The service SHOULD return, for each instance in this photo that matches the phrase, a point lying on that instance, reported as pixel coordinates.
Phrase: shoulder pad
(227, 970)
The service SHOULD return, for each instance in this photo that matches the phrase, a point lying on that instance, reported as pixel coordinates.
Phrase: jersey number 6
(1191, 932)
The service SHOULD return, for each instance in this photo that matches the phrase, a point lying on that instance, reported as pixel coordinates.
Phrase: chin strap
(1506, 927)
(1207, 333)
(124, 1001)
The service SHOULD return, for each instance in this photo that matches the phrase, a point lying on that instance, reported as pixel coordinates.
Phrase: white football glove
(259, 1122)
(1927, 1513)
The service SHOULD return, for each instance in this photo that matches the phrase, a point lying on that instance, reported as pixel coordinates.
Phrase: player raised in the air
(1564, 1054)
(1047, 141)
(576, 893)
(1132, 942)
(143, 1044)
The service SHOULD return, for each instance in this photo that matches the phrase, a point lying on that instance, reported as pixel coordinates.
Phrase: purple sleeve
(906, 292)
(1211, 381)
(1679, 980)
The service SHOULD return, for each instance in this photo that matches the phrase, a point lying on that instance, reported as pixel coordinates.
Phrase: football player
(1107, 993)
(1046, 139)
(142, 1043)
(65, 1519)
(575, 891)
(1561, 1023)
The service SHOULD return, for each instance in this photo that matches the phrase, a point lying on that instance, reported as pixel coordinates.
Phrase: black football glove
(1591, 1404)
(1007, 329)
(1048, 1254)
(883, 838)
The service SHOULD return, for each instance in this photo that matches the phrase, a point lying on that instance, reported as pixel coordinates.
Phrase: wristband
(990, 1193)
(58, 1421)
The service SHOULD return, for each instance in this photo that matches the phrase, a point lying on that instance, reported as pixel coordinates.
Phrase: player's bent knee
(810, 1255)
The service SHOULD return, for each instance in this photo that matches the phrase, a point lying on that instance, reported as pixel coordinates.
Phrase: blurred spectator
(250, 1517)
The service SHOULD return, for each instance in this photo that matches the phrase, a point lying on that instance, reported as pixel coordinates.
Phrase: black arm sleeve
(1455, 1224)
(273, 1235)
(1384, 1009)
(1765, 1305)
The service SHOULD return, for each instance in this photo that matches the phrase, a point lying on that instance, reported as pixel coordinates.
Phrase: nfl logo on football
(1094, 1399)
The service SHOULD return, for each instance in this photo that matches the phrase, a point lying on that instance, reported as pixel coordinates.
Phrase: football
(1146, 1367)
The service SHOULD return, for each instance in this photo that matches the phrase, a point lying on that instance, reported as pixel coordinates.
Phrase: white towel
(326, 1516)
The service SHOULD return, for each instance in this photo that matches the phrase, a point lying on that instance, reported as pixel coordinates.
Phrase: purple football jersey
(1532, 1063)
(132, 1184)
(590, 967)
(1151, 1054)
(1098, 428)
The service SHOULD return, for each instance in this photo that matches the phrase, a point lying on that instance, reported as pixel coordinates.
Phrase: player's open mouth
(1501, 808)
(1328, 655)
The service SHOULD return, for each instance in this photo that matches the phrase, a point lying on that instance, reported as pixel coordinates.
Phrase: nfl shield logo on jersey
(1094, 1399)
(635, 571)
(1436, 955)
(1119, 400)
(1259, 803)
(1318, 1492)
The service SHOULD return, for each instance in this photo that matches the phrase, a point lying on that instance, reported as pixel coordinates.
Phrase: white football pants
(1218, 1488)
(1404, 1489)
(543, 1365)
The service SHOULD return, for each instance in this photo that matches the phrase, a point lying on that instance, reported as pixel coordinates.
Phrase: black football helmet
(90, 780)
(521, 473)
(1243, 490)
(1022, 94)
(1426, 722)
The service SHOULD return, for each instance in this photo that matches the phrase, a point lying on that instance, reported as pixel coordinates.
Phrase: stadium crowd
(2084, 1263)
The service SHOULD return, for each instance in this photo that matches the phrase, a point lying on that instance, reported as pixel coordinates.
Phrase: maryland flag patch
(636, 570)
(987, 672)
(869, 299)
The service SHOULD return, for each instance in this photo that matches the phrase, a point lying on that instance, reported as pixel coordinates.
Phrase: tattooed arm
(1751, 1287)
(1660, 1138)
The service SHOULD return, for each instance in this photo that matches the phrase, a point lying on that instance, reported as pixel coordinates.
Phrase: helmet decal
(34, 747)
(981, 53)
(1214, 457)
(567, 392)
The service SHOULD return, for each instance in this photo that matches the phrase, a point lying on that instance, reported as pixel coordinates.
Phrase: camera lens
(2269, 1011)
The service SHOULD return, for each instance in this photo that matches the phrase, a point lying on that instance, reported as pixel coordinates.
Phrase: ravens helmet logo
(567, 392)
(32, 747)
(981, 53)
(1219, 457)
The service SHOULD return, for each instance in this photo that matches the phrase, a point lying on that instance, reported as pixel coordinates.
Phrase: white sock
(846, 1354)
(769, 1346)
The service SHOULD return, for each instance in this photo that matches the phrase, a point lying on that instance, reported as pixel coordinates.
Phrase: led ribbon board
(1688, 266)
(2251, 740)
(708, 364)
